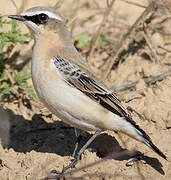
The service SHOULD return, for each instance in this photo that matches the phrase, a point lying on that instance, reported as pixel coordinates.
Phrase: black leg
(77, 157)
(78, 133)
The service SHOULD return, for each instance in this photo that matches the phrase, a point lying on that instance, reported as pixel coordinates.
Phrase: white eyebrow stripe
(50, 14)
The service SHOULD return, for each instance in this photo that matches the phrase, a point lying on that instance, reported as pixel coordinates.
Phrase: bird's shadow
(24, 136)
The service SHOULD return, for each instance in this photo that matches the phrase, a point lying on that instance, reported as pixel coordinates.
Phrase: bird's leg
(78, 136)
(77, 157)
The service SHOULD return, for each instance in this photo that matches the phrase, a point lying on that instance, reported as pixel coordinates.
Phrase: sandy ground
(34, 143)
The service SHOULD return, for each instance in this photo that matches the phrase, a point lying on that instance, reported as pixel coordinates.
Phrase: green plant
(103, 41)
(83, 40)
(13, 36)
(21, 82)
(5, 86)
(12, 81)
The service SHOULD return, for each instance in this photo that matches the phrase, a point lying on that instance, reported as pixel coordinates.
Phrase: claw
(72, 164)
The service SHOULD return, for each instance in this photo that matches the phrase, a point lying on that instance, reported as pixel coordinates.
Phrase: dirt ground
(34, 142)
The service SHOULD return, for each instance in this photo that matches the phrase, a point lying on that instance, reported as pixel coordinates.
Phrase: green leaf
(26, 76)
(14, 26)
(2, 44)
(30, 91)
(8, 91)
(103, 41)
(83, 40)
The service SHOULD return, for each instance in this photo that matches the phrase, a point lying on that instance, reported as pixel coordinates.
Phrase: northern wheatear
(67, 86)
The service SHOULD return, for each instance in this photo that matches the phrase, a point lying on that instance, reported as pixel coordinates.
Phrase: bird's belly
(69, 104)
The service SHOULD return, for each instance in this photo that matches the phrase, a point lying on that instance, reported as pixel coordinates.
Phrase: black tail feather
(147, 141)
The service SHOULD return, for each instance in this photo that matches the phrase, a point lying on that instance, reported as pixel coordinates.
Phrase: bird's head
(41, 19)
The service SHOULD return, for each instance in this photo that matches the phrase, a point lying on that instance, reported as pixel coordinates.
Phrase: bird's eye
(43, 17)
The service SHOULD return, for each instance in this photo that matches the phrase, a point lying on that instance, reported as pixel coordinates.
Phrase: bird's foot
(78, 156)
(71, 165)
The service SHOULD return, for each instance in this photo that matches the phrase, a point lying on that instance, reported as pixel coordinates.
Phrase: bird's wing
(78, 79)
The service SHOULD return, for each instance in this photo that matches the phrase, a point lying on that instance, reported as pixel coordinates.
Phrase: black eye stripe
(38, 18)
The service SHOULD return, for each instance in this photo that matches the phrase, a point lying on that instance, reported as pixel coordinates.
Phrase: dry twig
(167, 50)
(15, 4)
(58, 4)
(141, 18)
(137, 113)
(85, 29)
(21, 8)
(97, 34)
(158, 77)
(151, 45)
(134, 3)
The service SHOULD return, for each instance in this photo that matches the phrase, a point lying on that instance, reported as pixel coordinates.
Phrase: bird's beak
(17, 17)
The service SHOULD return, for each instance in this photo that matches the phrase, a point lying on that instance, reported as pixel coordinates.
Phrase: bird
(67, 86)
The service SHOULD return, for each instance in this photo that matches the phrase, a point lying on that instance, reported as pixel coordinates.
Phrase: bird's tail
(140, 135)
